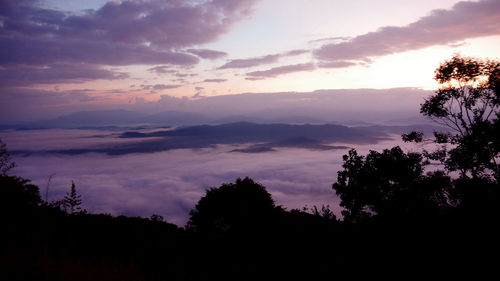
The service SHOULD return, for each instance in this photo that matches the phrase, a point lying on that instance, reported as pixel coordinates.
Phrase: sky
(62, 56)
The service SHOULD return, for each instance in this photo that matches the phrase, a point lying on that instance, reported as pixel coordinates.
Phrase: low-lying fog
(169, 183)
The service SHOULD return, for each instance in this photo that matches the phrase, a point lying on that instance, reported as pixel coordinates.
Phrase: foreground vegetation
(396, 216)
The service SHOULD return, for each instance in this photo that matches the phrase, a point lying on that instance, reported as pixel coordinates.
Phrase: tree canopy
(468, 104)
(233, 207)
(388, 184)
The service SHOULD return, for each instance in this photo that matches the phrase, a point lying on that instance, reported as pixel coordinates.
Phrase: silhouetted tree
(389, 184)
(468, 104)
(233, 207)
(325, 212)
(18, 193)
(5, 162)
(72, 200)
(156, 218)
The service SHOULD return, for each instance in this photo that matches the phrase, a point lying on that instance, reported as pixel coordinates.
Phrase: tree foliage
(5, 161)
(468, 104)
(72, 200)
(388, 184)
(233, 207)
(18, 193)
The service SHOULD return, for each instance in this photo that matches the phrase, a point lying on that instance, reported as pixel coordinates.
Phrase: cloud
(369, 105)
(254, 78)
(276, 71)
(161, 69)
(42, 51)
(207, 54)
(336, 39)
(170, 183)
(441, 27)
(295, 52)
(26, 75)
(246, 63)
(159, 87)
(164, 87)
(198, 95)
(268, 59)
(215, 80)
(337, 64)
(119, 33)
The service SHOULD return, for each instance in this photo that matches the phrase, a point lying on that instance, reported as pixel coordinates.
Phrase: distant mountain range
(258, 138)
(246, 132)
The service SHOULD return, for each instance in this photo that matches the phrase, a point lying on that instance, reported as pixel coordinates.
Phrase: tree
(156, 218)
(18, 194)
(72, 201)
(468, 104)
(5, 162)
(233, 207)
(388, 185)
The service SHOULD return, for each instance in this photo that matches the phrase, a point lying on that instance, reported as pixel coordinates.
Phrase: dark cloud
(276, 71)
(119, 33)
(215, 80)
(246, 63)
(26, 75)
(207, 54)
(41, 50)
(251, 62)
(178, 74)
(441, 27)
(161, 69)
(296, 52)
(159, 87)
(179, 80)
(165, 69)
(198, 95)
(457, 44)
(254, 78)
(337, 64)
(164, 87)
(331, 39)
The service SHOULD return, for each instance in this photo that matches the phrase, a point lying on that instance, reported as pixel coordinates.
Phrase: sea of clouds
(170, 183)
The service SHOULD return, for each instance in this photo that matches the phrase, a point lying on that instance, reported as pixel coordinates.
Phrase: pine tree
(72, 201)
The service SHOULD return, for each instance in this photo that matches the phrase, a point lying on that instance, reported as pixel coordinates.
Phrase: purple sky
(60, 56)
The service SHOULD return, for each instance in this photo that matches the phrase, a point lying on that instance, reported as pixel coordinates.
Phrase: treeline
(401, 218)
(236, 232)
